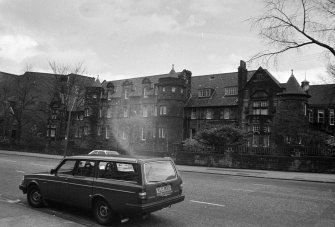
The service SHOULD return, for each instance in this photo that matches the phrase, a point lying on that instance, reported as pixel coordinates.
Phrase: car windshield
(159, 171)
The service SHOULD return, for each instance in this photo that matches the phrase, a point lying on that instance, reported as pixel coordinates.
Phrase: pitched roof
(322, 94)
(217, 82)
(96, 83)
(6, 76)
(292, 87)
(137, 84)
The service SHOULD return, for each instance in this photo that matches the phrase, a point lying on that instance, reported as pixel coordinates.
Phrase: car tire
(34, 197)
(103, 213)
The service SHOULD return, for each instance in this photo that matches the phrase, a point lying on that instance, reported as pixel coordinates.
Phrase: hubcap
(103, 210)
(36, 196)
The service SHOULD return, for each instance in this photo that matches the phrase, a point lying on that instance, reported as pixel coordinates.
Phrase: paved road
(211, 200)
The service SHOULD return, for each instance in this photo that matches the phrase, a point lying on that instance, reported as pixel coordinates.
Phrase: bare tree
(294, 24)
(70, 87)
(22, 108)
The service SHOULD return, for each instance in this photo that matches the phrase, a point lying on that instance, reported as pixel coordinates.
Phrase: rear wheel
(34, 197)
(103, 213)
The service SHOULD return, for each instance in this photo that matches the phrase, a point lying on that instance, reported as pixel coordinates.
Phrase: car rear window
(159, 171)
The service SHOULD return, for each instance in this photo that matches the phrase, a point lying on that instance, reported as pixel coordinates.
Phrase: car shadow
(85, 216)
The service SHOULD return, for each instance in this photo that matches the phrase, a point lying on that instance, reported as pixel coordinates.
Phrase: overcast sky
(118, 39)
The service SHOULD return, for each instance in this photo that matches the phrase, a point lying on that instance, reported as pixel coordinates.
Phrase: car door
(57, 186)
(80, 183)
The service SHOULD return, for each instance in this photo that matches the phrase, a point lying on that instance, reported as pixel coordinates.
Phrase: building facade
(151, 114)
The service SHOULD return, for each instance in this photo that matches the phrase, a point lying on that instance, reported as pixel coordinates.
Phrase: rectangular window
(204, 93)
(260, 107)
(255, 128)
(106, 133)
(266, 141)
(209, 114)
(143, 134)
(109, 113)
(51, 131)
(54, 114)
(99, 131)
(145, 92)
(154, 133)
(76, 134)
(100, 113)
(255, 140)
(124, 134)
(145, 111)
(109, 94)
(163, 89)
(86, 130)
(154, 108)
(331, 117)
(266, 128)
(173, 89)
(226, 113)
(310, 116)
(126, 94)
(264, 103)
(125, 112)
(182, 91)
(87, 112)
(162, 110)
(194, 113)
(230, 91)
(161, 133)
(321, 116)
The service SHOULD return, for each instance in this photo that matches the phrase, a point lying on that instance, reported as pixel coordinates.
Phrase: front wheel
(103, 214)
(34, 197)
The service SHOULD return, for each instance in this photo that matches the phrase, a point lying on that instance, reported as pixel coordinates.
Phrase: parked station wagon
(113, 187)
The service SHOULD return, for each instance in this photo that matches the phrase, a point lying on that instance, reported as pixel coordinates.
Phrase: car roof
(126, 158)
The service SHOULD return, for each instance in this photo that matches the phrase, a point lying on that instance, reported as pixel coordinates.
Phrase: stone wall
(321, 164)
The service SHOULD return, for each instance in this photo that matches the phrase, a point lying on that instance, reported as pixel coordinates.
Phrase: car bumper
(23, 188)
(151, 207)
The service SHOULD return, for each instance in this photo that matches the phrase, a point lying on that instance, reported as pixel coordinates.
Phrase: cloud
(17, 47)
(213, 7)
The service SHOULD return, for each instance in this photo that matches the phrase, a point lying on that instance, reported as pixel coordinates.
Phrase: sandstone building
(153, 113)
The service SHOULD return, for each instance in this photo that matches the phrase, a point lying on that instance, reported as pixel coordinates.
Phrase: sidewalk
(296, 176)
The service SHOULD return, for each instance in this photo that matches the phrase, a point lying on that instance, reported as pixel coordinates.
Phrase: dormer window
(230, 91)
(205, 93)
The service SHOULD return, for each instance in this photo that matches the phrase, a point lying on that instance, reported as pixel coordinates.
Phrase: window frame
(321, 116)
(331, 116)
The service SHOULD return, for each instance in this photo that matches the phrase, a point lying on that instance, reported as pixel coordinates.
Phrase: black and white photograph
(167, 113)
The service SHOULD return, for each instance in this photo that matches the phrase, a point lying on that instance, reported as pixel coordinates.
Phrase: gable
(262, 77)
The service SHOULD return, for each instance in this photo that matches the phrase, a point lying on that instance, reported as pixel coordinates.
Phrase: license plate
(164, 190)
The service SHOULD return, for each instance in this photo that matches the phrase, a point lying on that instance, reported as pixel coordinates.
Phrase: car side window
(118, 171)
(67, 167)
(85, 168)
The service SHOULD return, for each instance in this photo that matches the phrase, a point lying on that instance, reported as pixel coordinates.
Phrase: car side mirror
(52, 171)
